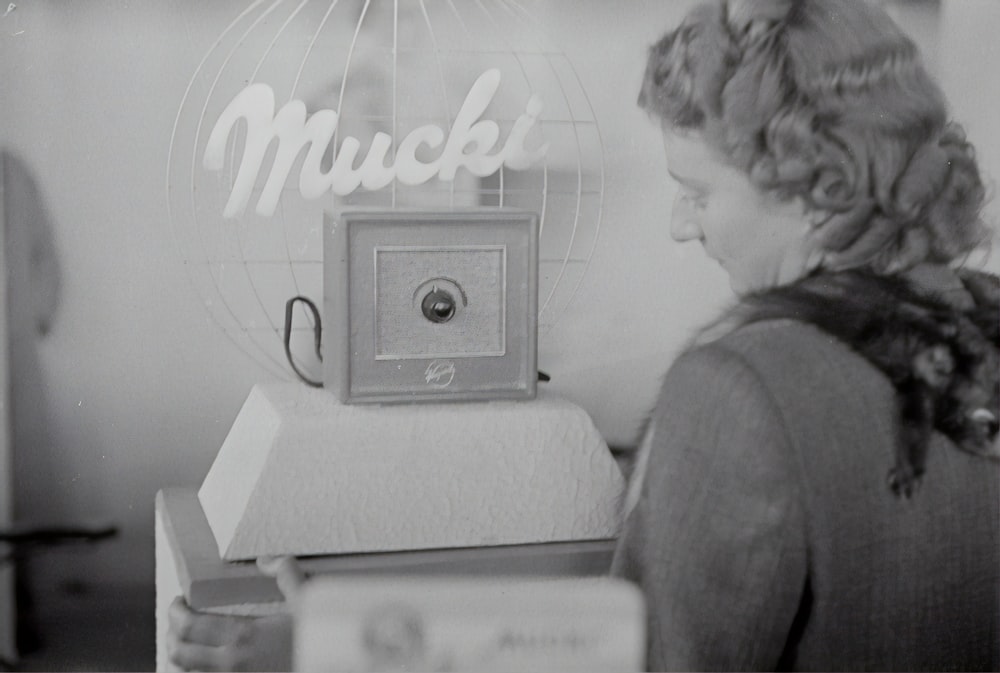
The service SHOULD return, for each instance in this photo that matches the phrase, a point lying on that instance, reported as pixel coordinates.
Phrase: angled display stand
(479, 488)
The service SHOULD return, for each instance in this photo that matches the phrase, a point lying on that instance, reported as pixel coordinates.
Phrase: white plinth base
(302, 474)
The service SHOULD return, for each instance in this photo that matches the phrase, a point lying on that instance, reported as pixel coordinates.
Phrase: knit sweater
(766, 537)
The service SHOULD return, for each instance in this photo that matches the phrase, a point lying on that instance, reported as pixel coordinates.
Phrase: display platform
(484, 489)
(302, 474)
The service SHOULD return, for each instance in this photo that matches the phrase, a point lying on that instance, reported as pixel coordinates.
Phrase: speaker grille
(405, 274)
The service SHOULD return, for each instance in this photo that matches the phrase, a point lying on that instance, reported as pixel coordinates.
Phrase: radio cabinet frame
(364, 364)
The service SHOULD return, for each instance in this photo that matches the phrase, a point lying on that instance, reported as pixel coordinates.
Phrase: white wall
(138, 386)
(969, 58)
(133, 388)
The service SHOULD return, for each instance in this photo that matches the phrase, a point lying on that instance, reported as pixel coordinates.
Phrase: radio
(430, 305)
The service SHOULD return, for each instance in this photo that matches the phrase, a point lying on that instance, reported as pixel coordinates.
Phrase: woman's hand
(203, 641)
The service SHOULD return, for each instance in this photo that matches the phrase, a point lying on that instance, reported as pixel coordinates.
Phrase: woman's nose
(683, 225)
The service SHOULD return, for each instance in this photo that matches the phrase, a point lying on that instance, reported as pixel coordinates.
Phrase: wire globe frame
(398, 64)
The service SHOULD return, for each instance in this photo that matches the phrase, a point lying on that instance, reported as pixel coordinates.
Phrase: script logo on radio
(440, 373)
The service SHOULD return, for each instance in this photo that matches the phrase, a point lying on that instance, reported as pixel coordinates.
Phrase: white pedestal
(485, 488)
(302, 474)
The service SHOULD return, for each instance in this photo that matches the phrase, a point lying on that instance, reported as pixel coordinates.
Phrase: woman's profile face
(760, 241)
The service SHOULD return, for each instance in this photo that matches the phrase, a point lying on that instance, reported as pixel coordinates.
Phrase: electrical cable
(317, 334)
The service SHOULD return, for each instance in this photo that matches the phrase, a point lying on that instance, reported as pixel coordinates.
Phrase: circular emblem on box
(440, 373)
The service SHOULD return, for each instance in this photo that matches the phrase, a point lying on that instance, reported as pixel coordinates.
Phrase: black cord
(317, 333)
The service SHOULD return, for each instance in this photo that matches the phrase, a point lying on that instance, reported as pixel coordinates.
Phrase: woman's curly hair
(826, 100)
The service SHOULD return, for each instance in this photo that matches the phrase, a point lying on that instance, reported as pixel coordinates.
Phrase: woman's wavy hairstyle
(826, 100)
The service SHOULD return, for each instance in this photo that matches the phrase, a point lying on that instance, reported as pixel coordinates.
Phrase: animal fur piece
(943, 361)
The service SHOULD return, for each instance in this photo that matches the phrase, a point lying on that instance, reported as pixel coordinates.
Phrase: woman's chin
(743, 286)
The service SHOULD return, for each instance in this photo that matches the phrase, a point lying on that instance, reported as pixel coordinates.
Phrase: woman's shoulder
(774, 370)
(782, 371)
(780, 349)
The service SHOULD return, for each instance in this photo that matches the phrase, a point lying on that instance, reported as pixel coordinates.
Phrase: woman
(820, 489)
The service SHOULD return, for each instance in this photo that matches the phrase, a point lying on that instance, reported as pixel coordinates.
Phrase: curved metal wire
(317, 336)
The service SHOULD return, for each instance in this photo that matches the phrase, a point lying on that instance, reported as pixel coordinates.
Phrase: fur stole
(943, 360)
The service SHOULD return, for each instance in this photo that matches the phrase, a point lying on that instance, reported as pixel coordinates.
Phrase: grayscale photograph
(499, 335)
